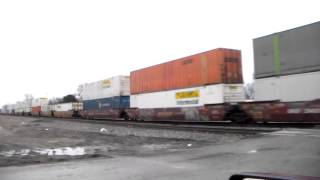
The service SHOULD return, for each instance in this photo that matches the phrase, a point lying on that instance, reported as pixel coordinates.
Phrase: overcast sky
(48, 48)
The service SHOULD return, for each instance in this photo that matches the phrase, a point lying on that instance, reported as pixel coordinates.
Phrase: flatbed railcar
(243, 112)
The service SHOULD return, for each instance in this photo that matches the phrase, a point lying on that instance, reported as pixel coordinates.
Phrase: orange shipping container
(210, 67)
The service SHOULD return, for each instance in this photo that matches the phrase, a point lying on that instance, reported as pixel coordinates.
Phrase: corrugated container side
(39, 102)
(107, 103)
(211, 67)
(124, 85)
(288, 52)
(300, 50)
(63, 107)
(290, 88)
(36, 109)
(189, 97)
(67, 106)
(27, 109)
(114, 86)
(77, 106)
(45, 108)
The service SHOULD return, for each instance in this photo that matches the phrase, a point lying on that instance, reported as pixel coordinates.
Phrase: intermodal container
(27, 109)
(107, 103)
(288, 88)
(36, 109)
(189, 97)
(289, 52)
(76, 106)
(39, 102)
(211, 67)
(114, 86)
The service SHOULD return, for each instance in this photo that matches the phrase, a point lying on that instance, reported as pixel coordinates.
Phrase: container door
(204, 69)
(232, 70)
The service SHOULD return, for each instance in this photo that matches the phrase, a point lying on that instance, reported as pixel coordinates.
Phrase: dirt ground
(28, 140)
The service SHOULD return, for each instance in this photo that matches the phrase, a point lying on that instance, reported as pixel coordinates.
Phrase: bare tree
(69, 98)
(55, 100)
(5, 108)
(80, 91)
(28, 99)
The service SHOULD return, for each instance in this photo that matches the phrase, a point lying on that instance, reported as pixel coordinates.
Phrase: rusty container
(210, 67)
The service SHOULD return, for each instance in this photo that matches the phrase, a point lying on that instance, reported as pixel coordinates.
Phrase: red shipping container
(210, 67)
(36, 109)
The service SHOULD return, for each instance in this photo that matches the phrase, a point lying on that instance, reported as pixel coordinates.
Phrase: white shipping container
(40, 102)
(197, 96)
(45, 108)
(27, 109)
(290, 88)
(114, 86)
(67, 106)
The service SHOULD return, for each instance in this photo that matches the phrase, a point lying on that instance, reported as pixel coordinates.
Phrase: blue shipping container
(107, 103)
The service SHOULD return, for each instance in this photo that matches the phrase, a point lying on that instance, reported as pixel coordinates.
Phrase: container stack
(210, 77)
(112, 93)
(39, 105)
(287, 65)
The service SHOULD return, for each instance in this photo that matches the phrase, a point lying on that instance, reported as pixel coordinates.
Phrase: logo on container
(187, 97)
(187, 94)
(106, 83)
(101, 105)
(194, 101)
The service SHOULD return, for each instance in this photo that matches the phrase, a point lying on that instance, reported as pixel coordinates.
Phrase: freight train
(209, 87)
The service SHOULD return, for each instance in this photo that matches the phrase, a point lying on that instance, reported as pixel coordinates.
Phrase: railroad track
(216, 127)
(182, 126)
(221, 123)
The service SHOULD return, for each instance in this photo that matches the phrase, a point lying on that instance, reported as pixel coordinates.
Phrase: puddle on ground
(82, 151)
(63, 151)
(22, 152)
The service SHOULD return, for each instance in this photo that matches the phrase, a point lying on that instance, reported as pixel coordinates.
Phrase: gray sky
(48, 48)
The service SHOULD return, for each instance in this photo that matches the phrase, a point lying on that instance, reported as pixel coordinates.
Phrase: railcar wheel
(124, 115)
(239, 118)
(237, 115)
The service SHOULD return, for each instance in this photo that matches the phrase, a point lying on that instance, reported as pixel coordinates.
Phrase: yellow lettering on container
(188, 94)
(106, 83)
